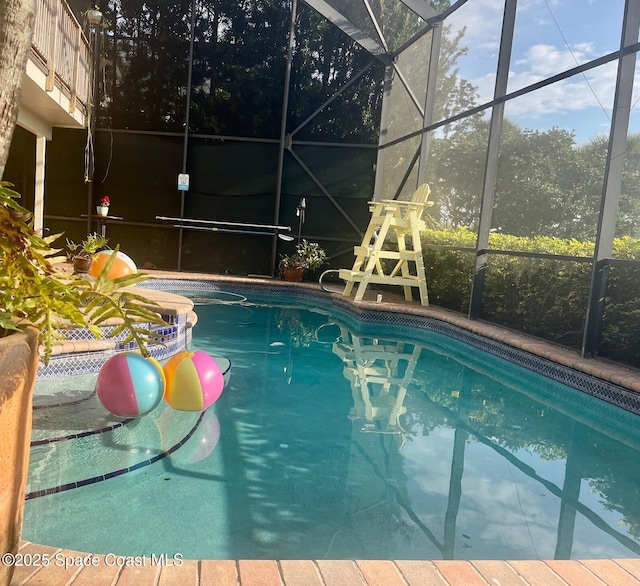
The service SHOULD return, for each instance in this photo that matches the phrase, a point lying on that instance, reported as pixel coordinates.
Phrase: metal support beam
(491, 168)
(407, 174)
(347, 27)
(284, 139)
(376, 25)
(429, 100)
(326, 193)
(408, 89)
(378, 189)
(612, 179)
(185, 143)
(422, 8)
(333, 97)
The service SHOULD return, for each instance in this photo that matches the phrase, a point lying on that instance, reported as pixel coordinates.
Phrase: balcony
(56, 86)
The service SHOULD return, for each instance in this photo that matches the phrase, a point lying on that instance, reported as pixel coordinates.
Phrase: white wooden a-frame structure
(392, 221)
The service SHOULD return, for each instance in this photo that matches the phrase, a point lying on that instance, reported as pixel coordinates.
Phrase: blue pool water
(342, 440)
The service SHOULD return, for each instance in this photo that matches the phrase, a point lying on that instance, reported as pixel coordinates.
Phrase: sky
(551, 36)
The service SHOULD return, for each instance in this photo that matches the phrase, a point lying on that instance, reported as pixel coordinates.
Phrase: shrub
(546, 298)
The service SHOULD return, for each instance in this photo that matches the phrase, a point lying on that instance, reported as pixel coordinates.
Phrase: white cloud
(483, 22)
(582, 103)
(545, 60)
(584, 90)
(485, 85)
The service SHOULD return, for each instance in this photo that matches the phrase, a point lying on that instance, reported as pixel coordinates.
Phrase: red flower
(105, 201)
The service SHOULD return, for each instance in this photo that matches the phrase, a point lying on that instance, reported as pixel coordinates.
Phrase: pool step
(81, 346)
(82, 353)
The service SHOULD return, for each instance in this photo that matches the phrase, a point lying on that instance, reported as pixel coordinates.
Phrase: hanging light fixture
(94, 16)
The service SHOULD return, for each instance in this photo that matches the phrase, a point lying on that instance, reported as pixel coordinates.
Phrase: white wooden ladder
(391, 222)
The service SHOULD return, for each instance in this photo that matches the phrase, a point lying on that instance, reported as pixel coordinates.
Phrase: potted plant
(308, 256)
(81, 255)
(37, 304)
(103, 206)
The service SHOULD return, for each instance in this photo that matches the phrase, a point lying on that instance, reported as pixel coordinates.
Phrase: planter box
(18, 368)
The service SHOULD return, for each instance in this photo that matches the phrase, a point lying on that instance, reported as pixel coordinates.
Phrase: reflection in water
(379, 374)
(381, 371)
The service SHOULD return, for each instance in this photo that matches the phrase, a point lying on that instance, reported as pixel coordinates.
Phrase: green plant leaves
(32, 291)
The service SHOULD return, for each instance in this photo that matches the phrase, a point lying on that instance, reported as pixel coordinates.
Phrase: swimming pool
(340, 438)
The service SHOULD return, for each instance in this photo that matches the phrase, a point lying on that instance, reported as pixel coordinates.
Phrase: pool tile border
(81, 434)
(605, 390)
(543, 358)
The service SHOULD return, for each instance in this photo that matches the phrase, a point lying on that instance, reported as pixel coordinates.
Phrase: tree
(238, 70)
(456, 173)
(16, 28)
(546, 185)
(594, 155)
(145, 61)
(454, 94)
(538, 173)
(325, 59)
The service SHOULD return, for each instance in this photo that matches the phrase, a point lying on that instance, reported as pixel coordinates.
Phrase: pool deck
(622, 572)
(106, 571)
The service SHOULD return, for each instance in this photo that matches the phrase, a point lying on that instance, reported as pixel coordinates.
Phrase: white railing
(61, 50)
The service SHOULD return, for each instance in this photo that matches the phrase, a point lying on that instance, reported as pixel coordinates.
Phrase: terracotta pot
(293, 274)
(18, 370)
(82, 264)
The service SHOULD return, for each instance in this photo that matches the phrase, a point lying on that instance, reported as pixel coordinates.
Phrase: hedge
(546, 298)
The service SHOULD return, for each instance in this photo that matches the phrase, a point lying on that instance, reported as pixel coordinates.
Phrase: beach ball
(194, 381)
(130, 385)
(122, 265)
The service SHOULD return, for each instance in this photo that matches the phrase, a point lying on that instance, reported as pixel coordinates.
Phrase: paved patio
(107, 571)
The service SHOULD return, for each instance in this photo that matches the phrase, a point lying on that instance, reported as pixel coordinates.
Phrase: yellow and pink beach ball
(194, 381)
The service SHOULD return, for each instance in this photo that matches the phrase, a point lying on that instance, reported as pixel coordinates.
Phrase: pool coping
(622, 572)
